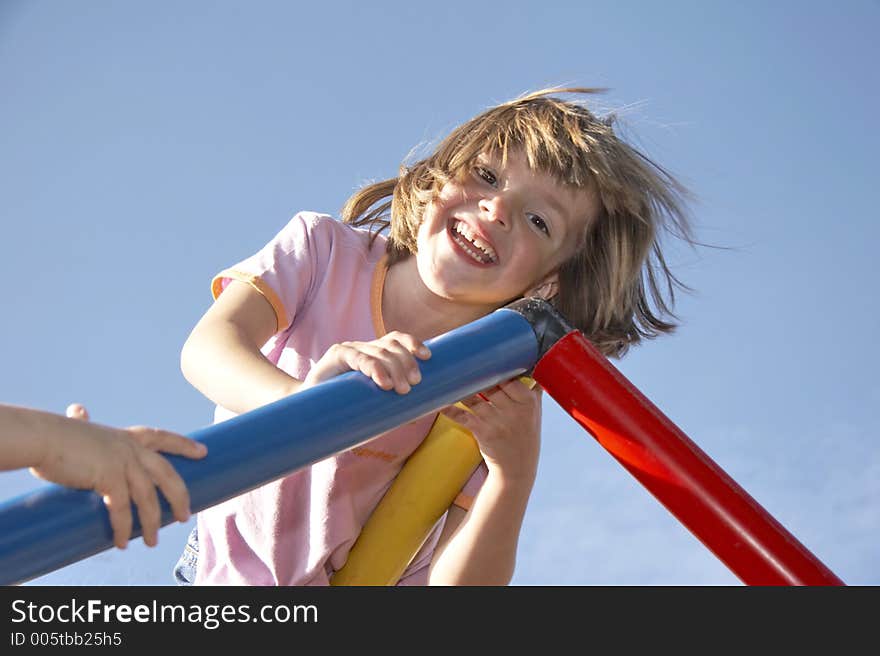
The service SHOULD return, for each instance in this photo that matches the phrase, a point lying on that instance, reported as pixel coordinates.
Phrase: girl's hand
(123, 466)
(389, 361)
(506, 423)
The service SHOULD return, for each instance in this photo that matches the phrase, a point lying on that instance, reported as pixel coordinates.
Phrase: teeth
(488, 253)
(479, 243)
(464, 244)
(464, 229)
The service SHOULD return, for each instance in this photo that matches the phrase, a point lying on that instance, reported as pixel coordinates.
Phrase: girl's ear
(546, 289)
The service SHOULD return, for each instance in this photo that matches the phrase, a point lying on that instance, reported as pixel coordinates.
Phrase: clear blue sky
(144, 146)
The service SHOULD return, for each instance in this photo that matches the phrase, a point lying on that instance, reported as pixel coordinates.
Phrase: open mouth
(471, 244)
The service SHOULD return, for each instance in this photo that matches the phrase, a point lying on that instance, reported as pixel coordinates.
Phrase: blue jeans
(185, 569)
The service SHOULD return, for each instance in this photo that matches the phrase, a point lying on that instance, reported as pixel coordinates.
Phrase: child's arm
(222, 356)
(478, 547)
(222, 359)
(121, 465)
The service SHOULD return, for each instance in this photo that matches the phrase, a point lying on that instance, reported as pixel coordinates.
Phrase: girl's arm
(478, 547)
(121, 465)
(222, 357)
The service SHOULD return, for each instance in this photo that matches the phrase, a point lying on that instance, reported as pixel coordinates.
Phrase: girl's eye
(485, 174)
(539, 223)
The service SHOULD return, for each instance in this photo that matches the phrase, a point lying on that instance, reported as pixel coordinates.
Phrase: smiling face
(500, 232)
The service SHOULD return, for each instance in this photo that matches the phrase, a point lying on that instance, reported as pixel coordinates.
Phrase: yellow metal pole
(424, 489)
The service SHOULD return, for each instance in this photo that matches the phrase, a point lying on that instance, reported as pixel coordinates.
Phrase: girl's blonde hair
(617, 288)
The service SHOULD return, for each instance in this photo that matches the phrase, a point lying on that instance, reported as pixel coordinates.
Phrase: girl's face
(500, 233)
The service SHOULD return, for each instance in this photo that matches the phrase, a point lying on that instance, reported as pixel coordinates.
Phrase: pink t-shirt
(324, 281)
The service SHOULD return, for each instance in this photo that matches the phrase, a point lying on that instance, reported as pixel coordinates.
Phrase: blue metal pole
(54, 526)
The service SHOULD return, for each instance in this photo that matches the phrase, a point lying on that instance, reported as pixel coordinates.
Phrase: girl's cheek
(453, 192)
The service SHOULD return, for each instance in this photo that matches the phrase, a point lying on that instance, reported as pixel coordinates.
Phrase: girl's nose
(495, 208)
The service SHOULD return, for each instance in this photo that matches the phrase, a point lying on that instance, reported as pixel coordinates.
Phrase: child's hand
(123, 466)
(506, 423)
(390, 361)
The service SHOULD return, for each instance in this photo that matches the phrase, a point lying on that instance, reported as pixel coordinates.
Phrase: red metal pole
(730, 523)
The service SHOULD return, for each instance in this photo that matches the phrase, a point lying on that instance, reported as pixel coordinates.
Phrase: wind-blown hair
(617, 288)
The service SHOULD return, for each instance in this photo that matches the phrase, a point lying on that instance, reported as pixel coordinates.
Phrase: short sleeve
(468, 493)
(287, 269)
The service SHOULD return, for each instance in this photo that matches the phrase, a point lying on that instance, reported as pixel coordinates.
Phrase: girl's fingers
(477, 415)
(391, 361)
(413, 345)
(513, 391)
(472, 422)
(403, 356)
(500, 399)
(458, 415)
(365, 359)
(476, 399)
(390, 366)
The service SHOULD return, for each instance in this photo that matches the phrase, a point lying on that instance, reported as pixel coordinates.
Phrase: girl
(534, 197)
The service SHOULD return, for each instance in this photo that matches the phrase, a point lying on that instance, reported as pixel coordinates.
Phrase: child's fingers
(453, 412)
(404, 361)
(390, 365)
(160, 440)
(145, 498)
(387, 363)
(367, 358)
(396, 353)
(477, 416)
(77, 411)
(476, 399)
(463, 417)
(413, 345)
(513, 391)
(170, 483)
(118, 504)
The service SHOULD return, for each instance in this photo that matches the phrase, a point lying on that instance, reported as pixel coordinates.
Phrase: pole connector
(547, 322)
